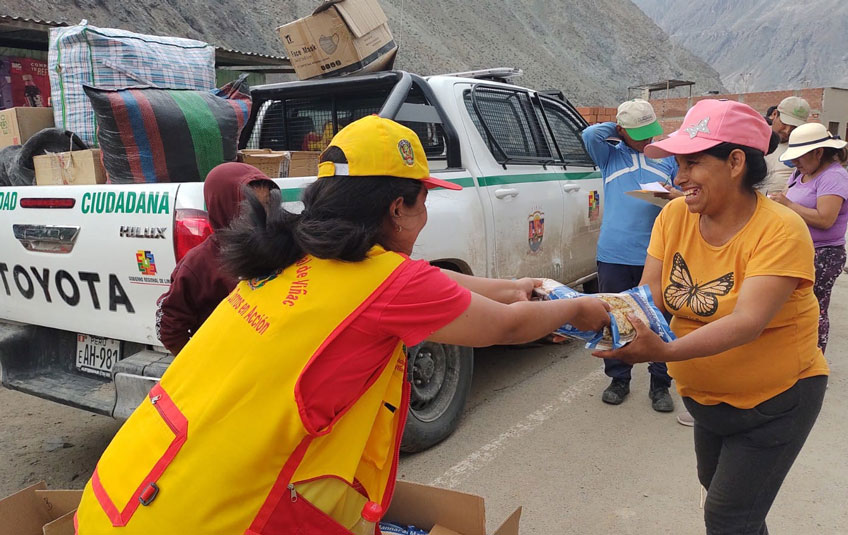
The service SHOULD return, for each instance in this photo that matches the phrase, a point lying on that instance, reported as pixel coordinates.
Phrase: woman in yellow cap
(284, 412)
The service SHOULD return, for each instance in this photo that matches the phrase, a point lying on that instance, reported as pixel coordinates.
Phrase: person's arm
(175, 314)
(500, 290)
(760, 298)
(486, 322)
(652, 276)
(595, 140)
(823, 216)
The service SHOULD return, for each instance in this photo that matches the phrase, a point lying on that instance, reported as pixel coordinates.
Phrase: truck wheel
(440, 377)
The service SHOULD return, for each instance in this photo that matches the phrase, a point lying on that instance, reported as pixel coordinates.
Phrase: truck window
(506, 120)
(310, 123)
(567, 133)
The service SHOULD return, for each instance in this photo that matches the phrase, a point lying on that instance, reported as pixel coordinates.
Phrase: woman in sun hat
(736, 272)
(284, 412)
(817, 191)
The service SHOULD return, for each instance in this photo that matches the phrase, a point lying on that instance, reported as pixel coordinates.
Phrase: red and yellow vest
(221, 446)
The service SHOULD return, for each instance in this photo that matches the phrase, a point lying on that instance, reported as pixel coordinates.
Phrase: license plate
(97, 355)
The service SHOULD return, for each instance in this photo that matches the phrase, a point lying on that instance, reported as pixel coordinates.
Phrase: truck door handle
(570, 187)
(506, 192)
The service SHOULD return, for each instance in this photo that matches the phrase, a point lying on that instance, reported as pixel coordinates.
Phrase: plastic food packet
(390, 528)
(637, 301)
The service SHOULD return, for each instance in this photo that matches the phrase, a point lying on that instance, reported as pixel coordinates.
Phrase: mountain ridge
(592, 51)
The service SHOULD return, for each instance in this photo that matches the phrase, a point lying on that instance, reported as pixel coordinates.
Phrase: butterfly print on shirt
(700, 298)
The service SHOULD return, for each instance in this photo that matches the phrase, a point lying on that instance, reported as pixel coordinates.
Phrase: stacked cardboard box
(19, 124)
(69, 168)
(340, 37)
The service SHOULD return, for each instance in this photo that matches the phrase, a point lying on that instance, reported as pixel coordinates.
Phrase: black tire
(440, 378)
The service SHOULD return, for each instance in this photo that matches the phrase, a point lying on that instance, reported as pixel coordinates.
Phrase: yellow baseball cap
(374, 146)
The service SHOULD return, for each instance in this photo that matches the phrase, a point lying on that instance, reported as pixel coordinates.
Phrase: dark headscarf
(223, 191)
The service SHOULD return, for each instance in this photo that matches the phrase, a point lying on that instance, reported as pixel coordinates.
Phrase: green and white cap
(637, 117)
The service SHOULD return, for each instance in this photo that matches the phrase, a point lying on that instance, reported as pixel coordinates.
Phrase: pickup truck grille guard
(395, 107)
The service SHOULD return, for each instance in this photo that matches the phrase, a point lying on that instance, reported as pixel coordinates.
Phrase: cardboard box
(69, 168)
(300, 163)
(444, 512)
(340, 37)
(35, 511)
(19, 124)
(38, 511)
(270, 162)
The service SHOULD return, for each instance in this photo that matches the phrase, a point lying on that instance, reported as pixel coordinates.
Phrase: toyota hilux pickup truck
(83, 266)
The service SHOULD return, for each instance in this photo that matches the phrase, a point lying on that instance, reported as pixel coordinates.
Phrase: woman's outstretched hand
(647, 347)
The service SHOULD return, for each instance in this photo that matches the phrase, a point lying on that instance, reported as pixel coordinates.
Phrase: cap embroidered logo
(700, 127)
(406, 152)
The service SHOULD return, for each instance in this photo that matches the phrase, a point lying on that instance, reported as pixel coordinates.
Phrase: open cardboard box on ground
(340, 37)
(38, 511)
(443, 511)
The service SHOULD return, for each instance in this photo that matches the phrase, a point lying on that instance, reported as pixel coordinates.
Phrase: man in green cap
(627, 223)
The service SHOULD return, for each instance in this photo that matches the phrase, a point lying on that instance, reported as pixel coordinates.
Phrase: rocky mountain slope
(760, 45)
(591, 50)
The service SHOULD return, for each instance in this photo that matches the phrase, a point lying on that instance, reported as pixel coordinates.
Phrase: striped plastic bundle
(115, 59)
(166, 135)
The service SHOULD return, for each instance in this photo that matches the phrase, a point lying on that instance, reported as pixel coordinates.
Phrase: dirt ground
(534, 434)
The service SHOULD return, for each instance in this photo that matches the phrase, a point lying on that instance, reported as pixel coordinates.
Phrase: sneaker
(660, 399)
(684, 418)
(616, 392)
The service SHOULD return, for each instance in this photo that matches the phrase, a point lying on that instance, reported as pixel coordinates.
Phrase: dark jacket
(198, 283)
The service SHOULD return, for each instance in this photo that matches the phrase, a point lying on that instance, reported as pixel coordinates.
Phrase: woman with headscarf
(198, 282)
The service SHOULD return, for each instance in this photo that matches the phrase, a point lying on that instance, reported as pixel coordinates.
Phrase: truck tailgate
(87, 259)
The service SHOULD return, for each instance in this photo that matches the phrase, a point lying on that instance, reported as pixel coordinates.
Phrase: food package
(390, 528)
(637, 301)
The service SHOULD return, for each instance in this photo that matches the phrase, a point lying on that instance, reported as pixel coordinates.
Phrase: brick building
(829, 106)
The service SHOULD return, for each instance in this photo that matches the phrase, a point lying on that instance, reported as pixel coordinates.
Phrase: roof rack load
(498, 74)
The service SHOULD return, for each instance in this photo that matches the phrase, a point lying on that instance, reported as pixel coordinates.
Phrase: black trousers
(615, 278)
(744, 454)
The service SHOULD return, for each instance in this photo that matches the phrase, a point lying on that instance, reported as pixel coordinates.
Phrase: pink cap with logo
(711, 122)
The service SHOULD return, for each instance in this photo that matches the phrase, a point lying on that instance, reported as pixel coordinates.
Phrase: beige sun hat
(807, 137)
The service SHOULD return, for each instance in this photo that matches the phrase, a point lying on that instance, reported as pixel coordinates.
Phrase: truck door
(517, 174)
(583, 191)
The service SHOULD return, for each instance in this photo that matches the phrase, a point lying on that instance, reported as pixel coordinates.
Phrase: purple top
(832, 181)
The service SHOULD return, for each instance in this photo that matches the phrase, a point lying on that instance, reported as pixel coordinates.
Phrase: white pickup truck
(83, 266)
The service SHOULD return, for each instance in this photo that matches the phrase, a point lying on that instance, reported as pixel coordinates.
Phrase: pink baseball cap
(711, 122)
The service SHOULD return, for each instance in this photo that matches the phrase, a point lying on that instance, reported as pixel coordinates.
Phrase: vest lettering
(130, 202)
(119, 205)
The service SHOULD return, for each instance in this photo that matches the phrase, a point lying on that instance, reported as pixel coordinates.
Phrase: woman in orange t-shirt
(736, 272)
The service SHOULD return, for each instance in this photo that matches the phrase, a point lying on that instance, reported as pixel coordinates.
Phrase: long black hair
(756, 168)
(343, 217)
